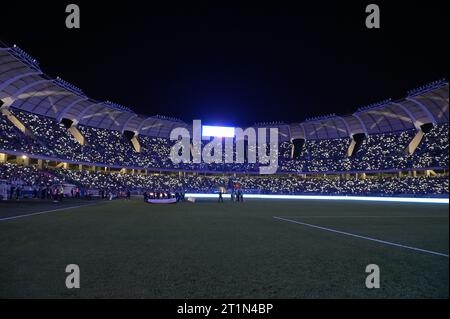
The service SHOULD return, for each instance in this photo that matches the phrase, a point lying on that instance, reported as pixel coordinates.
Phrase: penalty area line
(44, 212)
(363, 237)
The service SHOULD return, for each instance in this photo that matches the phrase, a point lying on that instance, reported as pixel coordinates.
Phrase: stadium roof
(24, 86)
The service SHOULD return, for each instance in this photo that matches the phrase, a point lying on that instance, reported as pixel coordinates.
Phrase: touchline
(259, 150)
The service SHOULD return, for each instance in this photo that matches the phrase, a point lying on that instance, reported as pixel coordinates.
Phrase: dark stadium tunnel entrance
(67, 123)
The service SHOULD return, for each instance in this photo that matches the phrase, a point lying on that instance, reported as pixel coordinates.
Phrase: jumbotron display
(217, 131)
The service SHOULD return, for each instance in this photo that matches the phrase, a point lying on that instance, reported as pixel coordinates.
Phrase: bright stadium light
(217, 131)
(339, 198)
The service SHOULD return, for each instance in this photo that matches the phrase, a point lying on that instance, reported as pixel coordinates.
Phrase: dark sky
(236, 65)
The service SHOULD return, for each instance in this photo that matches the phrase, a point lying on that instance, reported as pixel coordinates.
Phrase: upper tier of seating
(378, 152)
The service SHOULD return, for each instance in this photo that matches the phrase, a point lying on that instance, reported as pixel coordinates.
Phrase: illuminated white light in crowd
(217, 131)
(341, 198)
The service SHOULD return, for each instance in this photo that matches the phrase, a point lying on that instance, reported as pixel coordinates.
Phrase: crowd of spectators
(108, 147)
(12, 139)
(377, 152)
(433, 151)
(27, 181)
(261, 184)
(27, 175)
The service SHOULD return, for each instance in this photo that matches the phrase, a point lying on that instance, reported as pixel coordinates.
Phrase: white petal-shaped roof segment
(25, 87)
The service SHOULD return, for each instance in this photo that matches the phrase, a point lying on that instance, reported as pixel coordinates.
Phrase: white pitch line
(44, 212)
(363, 237)
(362, 216)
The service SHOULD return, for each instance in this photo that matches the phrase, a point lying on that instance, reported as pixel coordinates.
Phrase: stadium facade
(49, 124)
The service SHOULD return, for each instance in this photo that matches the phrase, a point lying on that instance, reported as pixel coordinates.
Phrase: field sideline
(129, 249)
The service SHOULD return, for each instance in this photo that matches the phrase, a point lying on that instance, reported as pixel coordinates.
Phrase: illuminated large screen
(217, 131)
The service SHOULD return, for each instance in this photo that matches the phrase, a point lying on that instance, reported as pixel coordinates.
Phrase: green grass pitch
(130, 249)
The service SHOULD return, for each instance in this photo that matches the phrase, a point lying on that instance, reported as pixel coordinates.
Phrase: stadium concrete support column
(40, 164)
(430, 172)
(351, 147)
(25, 160)
(132, 137)
(73, 130)
(3, 158)
(62, 165)
(80, 167)
(15, 121)
(415, 142)
(412, 173)
(136, 145)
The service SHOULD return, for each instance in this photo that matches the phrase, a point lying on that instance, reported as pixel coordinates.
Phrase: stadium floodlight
(217, 131)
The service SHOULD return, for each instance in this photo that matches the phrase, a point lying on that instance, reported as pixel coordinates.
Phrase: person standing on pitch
(221, 190)
(239, 195)
(231, 189)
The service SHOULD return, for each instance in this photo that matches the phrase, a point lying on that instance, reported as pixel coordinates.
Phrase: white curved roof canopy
(25, 87)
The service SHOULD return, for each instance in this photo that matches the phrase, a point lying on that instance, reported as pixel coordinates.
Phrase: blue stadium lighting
(339, 198)
(68, 86)
(118, 106)
(25, 57)
(275, 123)
(218, 131)
(428, 87)
(167, 118)
(374, 105)
(321, 118)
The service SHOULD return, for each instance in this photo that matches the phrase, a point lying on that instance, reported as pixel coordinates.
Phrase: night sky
(236, 65)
